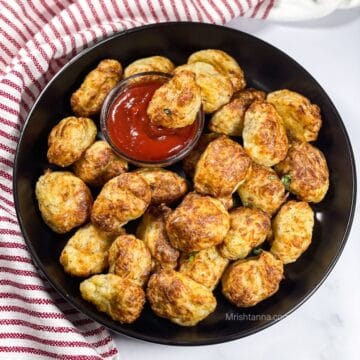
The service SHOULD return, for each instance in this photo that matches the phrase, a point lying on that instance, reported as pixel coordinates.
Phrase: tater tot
(152, 231)
(301, 118)
(176, 297)
(151, 63)
(264, 134)
(223, 63)
(305, 172)
(166, 186)
(222, 167)
(204, 266)
(248, 229)
(69, 139)
(120, 298)
(229, 119)
(64, 200)
(292, 231)
(123, 198)
(247, 282)
(86, 252)
(262, 189)
(99, 164)
(88, 99)
(197, 223)
(215, 88)
(130, 259)
(176, 103)
(190, 161)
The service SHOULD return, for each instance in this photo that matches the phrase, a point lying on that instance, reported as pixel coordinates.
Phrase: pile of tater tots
(238, 215)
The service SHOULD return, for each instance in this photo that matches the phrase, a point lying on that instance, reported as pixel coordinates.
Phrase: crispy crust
(215, 88)
(178, 298)
(247, 282)
(176, 103)
(292, 231)
(88, 99)
(64, 200)
(166, 186)
(99, 164)
(308, 171)
(69, 139)
(130, 258)
(264, 134)
(223, 63)
(152, 231)
(205, 266)
(262, 189)
(229, 119)
(120, 298)
(152, 63)
(301, 118)
(122, 199)
(86, 252)
(248, 229)
(197, 223)
(222, 167)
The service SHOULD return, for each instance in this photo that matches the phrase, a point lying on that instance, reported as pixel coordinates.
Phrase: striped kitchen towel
(37, 37)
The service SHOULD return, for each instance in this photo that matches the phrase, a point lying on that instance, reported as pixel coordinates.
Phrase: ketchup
(131, 130)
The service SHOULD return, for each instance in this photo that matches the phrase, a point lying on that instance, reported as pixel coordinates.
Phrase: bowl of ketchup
(129, 131)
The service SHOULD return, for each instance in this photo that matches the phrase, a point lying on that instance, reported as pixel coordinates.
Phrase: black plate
(266, 68)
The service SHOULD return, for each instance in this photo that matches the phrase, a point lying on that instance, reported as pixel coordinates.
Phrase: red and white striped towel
(37, 37)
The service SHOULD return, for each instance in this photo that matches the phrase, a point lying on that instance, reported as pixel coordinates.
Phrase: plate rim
(149, 338)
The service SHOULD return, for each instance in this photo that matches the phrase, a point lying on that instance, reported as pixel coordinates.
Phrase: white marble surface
(327, 326)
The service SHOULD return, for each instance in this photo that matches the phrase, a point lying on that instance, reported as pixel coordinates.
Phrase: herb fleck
(286, 180)
(192, 256)
(257, 251)
(167, 111)
(272, 177)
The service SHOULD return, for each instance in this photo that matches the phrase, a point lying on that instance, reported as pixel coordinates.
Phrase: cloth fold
(37, 37)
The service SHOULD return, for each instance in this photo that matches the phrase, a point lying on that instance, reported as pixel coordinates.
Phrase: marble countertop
(327, 326)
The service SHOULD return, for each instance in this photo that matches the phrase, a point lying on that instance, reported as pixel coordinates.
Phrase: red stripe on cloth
(238, 3)
(31, 350)
(12, 245)
(9, 270)
(9, 136)
(163, 10)
(62, 343)
(141, 11)
(37, 301)
(109, 353)
(198, 12)
(187, 11)
(5, 147)
(25, 286)
(15, 27)
(37, 314)
(15, 258)
(3, 173)
(229, 8)
(8, 109)
(12, 84)
(7, 219)
(152, 11)
(257, 7)
(6, 201)
(17, 16)
(217, 10)
(175, 10)
(2, 186)
(47, 328)
(268, 9)
(205, 11)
